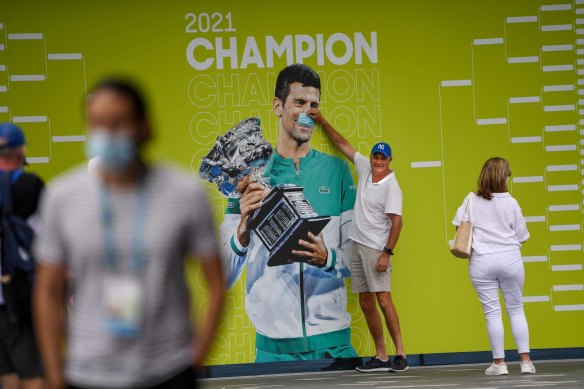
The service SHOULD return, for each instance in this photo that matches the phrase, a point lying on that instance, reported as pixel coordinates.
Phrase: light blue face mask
(305, 121)
(115, 151)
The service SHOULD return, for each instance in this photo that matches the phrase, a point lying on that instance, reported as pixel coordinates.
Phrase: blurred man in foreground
(123, 232)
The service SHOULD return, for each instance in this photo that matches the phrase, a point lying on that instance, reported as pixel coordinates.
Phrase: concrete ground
(552, 374)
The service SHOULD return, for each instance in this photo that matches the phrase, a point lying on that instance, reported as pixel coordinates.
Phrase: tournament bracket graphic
(447, 87)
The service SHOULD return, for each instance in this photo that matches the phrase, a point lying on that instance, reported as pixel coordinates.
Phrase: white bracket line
(69, 138)
(565, 288)
(559, 108)
(27, 77)
(526, 139)
(562, 188)
(491, 121)
(488, 41)
(559, 88)
(521, 19)
(30, 119)
(566, 267)
(534, 219)
(536, 299)
(558, 68)
(425, 164)
(566, 247)
(532, 59)
(561, 168)
(565, 227)
(65, 57)
(559, 148)
(557, 48)
(35, 160)
(556, 7)
(519, 180)
(564, 207)
(557, 27)
(535, 258)
(560, 128)
(527, 99)
(25, 37)
(448, 83)
(574, 307)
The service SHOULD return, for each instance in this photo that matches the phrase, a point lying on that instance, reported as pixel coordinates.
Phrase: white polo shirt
(374, 202)
(498, 224)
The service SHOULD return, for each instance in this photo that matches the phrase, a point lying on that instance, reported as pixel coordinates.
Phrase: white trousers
(489, 273)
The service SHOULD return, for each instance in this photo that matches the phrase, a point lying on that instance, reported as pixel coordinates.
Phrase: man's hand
(341, 143)
(250, 201)
(317, 254)
(383, 262)
(316, 115)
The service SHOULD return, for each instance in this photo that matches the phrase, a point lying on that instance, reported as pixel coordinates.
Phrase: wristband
(388, 250)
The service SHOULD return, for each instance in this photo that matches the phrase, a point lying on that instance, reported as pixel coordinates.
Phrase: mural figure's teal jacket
(298, 307)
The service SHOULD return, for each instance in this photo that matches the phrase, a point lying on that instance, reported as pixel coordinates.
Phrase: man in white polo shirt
(375, 231)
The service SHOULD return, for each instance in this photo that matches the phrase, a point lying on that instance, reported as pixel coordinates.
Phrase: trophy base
(286, 217)
(283, 254)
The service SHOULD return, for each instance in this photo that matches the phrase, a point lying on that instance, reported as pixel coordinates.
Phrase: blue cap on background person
(11, 136)
(382, 148)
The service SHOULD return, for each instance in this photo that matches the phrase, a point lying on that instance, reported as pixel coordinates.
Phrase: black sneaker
(343, 364)
(375, 364)
(400, 364)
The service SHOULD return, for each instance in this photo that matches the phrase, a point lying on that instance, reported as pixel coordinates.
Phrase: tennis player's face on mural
(300, 100)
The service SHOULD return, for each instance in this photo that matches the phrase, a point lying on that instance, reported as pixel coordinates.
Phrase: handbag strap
(468, 209)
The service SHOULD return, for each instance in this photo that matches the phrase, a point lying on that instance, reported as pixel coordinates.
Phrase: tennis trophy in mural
(242, 156)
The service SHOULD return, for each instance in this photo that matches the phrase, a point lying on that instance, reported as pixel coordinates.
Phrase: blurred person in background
(20, 362)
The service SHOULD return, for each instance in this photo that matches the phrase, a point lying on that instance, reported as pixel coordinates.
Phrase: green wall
(448, 84)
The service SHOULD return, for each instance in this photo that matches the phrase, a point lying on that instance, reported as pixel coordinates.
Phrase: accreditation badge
(122, 298)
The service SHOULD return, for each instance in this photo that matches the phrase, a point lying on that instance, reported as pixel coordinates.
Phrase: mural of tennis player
(299, 310)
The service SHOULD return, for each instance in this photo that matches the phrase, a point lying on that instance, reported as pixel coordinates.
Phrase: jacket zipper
(302, 299)
(303, 306)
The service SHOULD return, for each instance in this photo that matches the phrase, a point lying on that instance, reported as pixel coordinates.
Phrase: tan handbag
(462, 245)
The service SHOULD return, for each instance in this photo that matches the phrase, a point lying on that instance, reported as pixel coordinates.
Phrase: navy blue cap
(382, 148)
(11, 136)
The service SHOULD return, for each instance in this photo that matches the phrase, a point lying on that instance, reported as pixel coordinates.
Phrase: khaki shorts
(364, 276)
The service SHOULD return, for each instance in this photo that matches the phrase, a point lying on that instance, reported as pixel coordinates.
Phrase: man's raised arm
(338, 140)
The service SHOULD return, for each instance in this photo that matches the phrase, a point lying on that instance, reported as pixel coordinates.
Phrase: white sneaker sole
(377, 369)
(401, 371)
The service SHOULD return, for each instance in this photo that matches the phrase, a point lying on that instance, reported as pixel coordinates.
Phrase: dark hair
(295, 73)
(124, 88)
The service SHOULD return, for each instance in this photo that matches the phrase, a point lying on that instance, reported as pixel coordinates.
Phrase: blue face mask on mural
(115, 151)
(305, 120)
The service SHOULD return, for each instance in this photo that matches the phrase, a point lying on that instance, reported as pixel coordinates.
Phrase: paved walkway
(550, 374)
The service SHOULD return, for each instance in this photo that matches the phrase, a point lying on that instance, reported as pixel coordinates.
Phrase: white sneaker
(527, 368)
(497, 370)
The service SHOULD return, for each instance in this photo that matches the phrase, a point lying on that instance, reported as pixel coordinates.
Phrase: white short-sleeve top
(374, 202)
(498, 224)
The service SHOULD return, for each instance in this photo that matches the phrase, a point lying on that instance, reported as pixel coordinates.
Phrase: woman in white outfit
(498, 231)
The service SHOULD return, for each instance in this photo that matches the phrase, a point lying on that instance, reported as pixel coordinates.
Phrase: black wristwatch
(388, 250)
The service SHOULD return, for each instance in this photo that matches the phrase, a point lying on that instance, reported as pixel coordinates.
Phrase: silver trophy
(240, 157)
